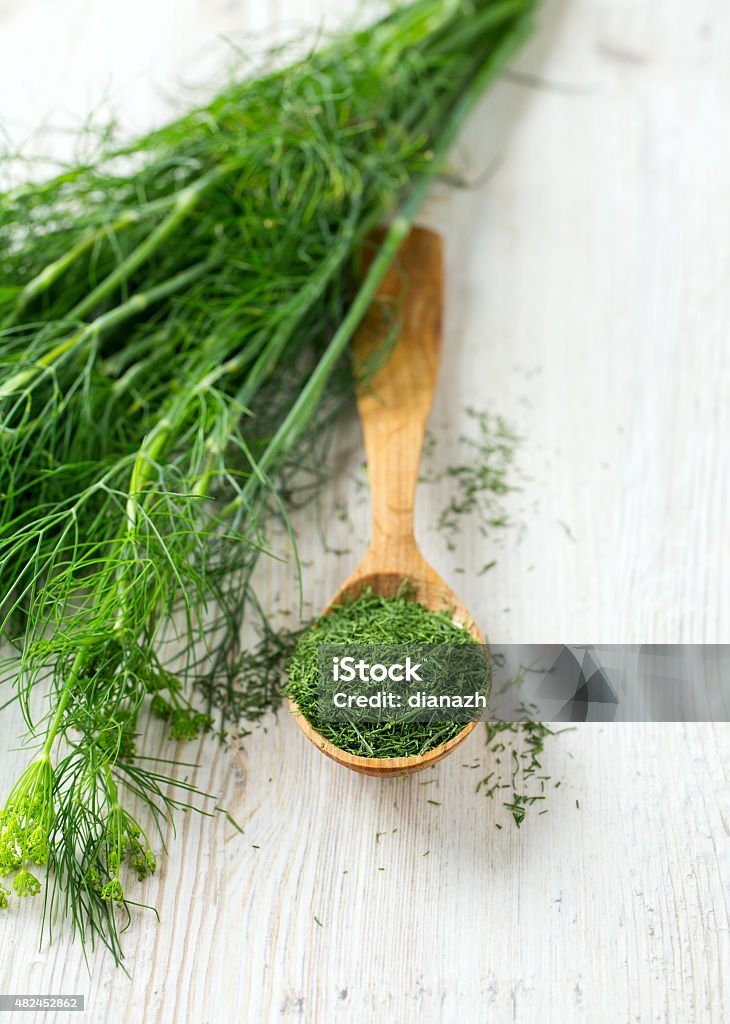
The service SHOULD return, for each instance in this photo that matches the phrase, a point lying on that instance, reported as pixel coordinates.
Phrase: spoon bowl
(429, 590)
(393, 410)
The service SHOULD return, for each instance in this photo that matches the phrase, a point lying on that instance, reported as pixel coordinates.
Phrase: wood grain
(588, 302)
(395, 404)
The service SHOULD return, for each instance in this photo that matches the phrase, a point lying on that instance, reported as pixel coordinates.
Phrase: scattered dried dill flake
(514, 750)
(481, 473)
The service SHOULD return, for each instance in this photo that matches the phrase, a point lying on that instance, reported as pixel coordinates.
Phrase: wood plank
(587, 301)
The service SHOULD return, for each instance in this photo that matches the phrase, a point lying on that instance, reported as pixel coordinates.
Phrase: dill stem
(106, 321)
(306, 298)
(150, 449)
(111, 786)
(68, 683)
(146, 455)
(148, 452)
(53, 271)
(23, 377)
(214, 449)
(185, 203)
(156, 438)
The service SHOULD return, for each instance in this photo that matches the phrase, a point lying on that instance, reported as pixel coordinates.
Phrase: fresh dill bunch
(172, 311)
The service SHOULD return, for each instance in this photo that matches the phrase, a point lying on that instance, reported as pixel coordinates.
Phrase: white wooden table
(588, 302)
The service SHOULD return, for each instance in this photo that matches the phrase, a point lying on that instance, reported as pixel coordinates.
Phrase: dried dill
(481, 481)
(371, 619)
(514, 750)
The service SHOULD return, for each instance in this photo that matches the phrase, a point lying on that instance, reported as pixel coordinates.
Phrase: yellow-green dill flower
(113, 891)
(26, 884)
(143, 862)
(25, 826)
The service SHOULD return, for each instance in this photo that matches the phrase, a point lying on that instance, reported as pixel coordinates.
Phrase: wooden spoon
(393, 409)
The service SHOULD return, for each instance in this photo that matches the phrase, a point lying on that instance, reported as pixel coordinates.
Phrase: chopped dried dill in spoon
(371, 619)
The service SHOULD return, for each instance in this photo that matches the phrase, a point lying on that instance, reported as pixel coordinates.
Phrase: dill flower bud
(126, 840)
(37, 846)
(143, 862)
(92, 879)
(26, 884)
(112, 892)
(25, 827)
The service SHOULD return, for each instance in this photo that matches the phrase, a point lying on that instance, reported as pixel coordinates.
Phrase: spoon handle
(394, 404)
